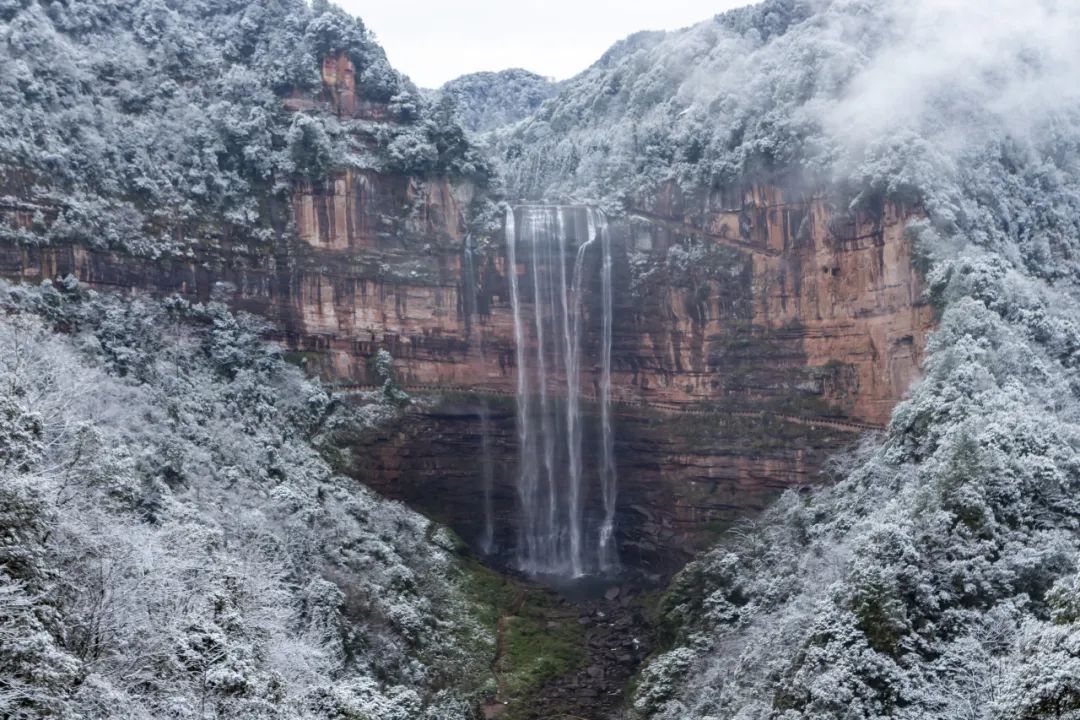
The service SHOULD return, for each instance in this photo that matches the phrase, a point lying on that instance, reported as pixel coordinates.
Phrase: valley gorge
(769, 324)
(706, 353)
(733, 377)
(792, 317)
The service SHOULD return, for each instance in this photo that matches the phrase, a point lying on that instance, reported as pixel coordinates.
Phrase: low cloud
(956, 69)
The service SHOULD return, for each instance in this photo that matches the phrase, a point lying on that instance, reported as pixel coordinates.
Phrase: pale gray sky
(433, 41)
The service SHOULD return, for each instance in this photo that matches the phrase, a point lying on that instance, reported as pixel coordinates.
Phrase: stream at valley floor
(575, 633)
(569, 651)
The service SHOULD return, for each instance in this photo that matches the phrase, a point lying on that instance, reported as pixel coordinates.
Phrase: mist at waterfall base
(558, 259)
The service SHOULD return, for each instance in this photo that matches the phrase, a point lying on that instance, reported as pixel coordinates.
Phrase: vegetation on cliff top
(150, 124)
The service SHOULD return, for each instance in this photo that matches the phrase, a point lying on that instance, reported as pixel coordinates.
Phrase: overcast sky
(433, 41)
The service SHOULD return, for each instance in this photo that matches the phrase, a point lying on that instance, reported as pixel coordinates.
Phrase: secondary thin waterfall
(608, 479)
(553, 245)
(487, 472)
(468, 274)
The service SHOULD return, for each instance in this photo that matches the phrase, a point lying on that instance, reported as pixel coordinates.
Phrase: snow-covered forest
(490, 100)
(154, 124)
(176, 541)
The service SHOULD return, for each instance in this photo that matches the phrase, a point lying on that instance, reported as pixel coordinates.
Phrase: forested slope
(177, 535)
(176, 542)
(490, 100)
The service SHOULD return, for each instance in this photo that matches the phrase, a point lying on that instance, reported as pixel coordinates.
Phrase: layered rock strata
(759, 303)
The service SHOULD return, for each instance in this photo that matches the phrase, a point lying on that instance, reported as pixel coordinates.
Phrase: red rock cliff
(784, 303)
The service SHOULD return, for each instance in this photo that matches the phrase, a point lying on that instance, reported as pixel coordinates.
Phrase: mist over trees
(878, 96)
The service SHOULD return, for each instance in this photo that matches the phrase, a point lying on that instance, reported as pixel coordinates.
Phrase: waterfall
(608, 479)
(527, 469)
(468, 274)
(487, 472)
(553, 245)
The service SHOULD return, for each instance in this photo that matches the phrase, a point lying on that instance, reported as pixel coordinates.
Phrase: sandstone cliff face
(793, 307)
(783, 303)
(829, 302)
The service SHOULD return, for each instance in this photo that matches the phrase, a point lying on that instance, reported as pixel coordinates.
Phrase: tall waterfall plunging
(554, 245)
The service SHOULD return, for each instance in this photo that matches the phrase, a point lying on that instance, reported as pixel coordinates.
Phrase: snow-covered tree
(174, 545)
